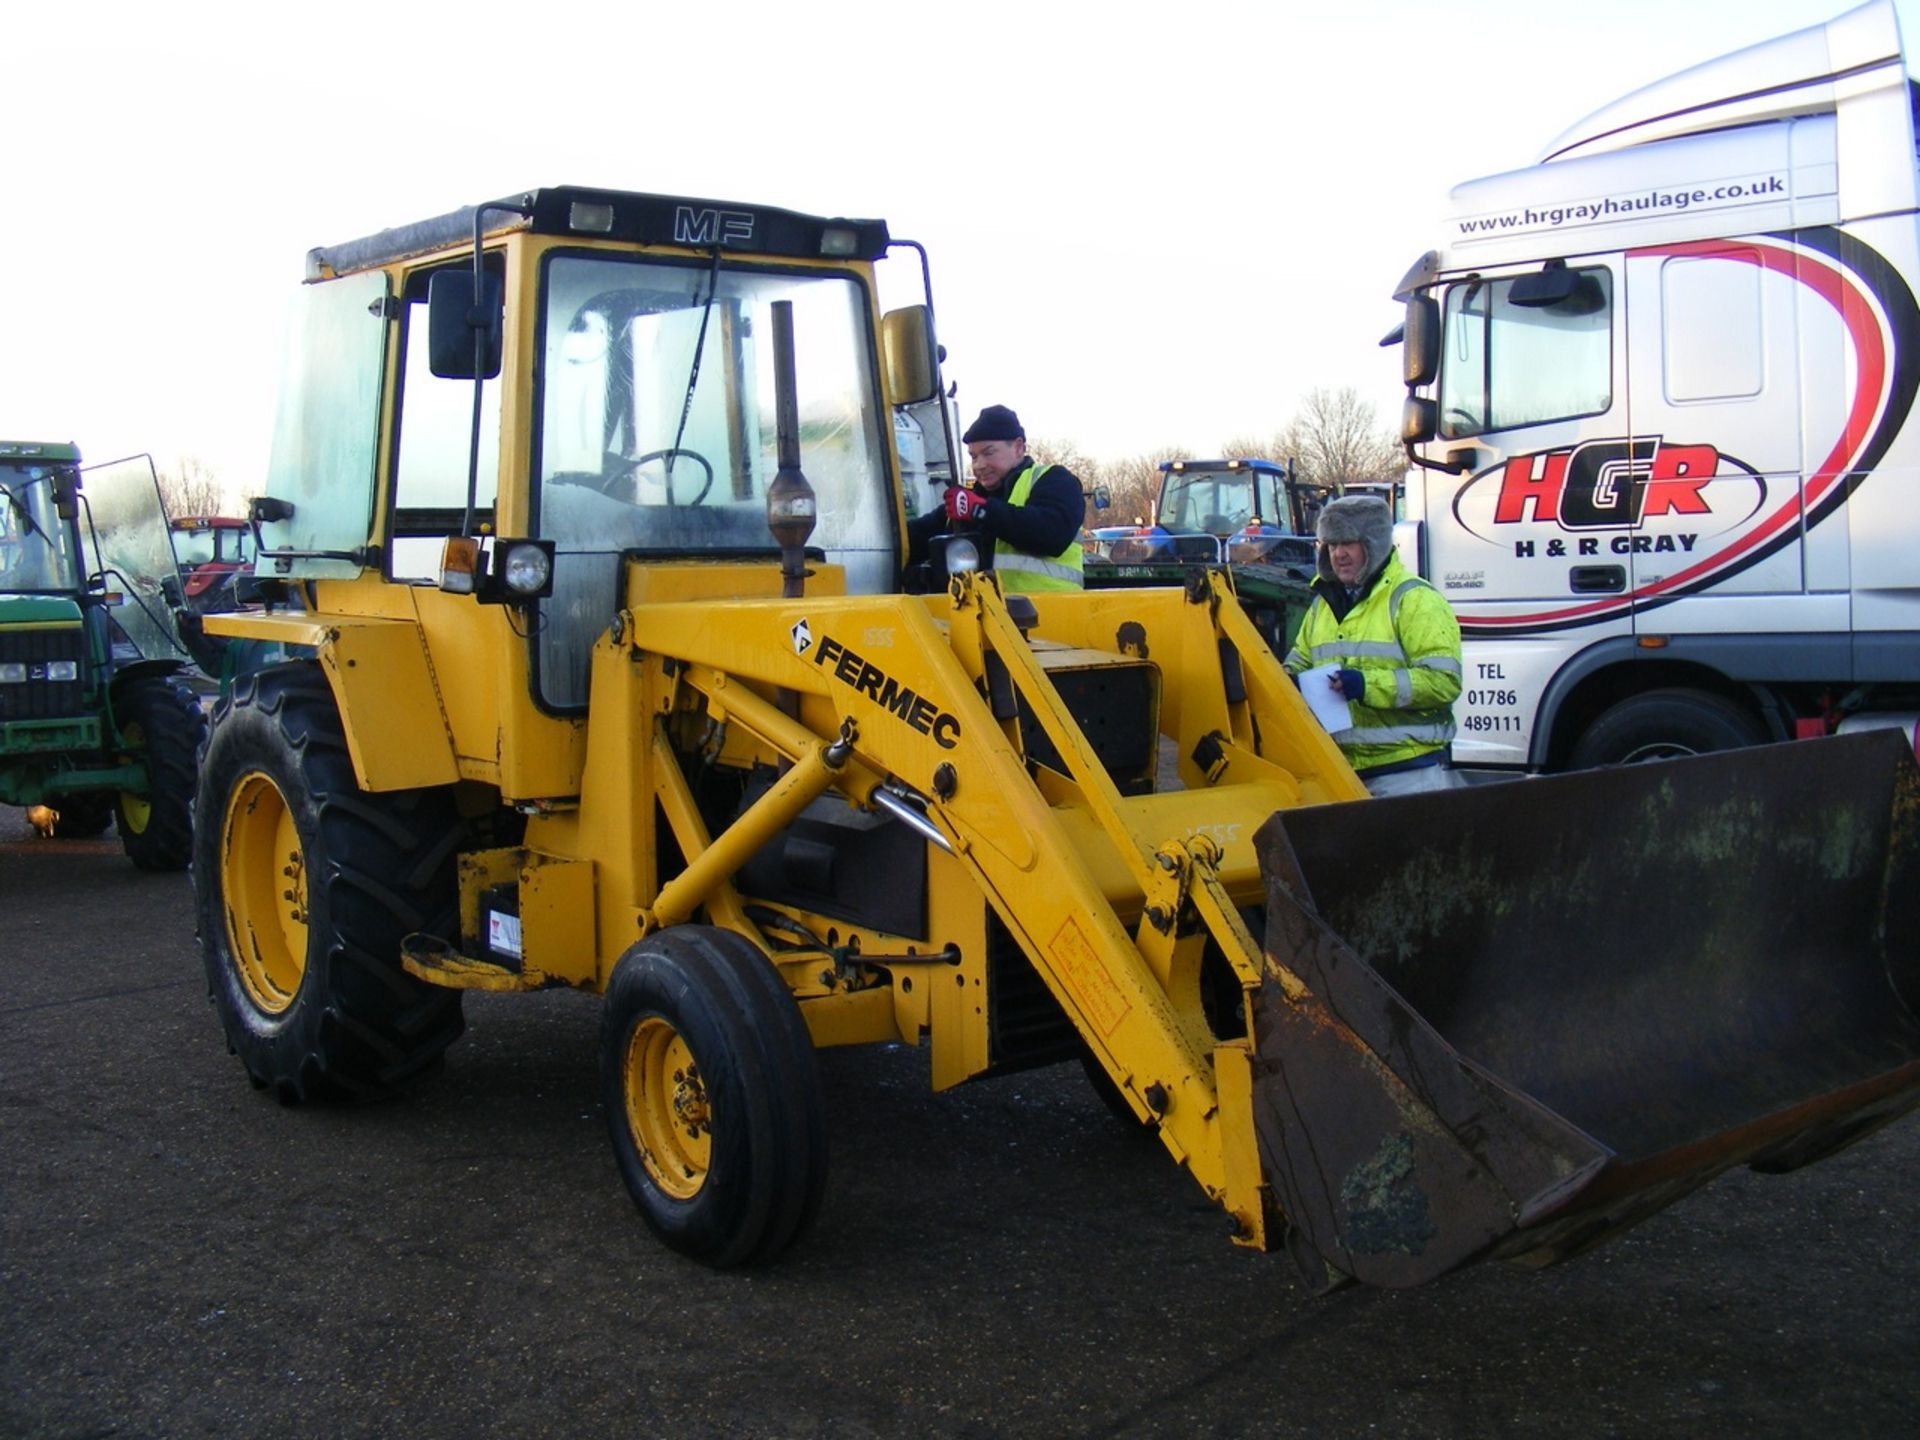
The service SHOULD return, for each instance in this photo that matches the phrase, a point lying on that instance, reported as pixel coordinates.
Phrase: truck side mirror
(1420, 352)
(1419, 420)
(910, 354)
(452, 318)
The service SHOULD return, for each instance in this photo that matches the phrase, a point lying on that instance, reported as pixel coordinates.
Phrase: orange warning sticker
(1079, 965)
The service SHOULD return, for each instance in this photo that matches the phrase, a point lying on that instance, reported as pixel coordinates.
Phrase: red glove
(964, 505)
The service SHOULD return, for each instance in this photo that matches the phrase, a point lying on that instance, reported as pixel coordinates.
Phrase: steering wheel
(632, 469)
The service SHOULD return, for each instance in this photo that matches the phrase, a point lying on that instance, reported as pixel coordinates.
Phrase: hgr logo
(1600, 492)
(1609, 484)
(711, 227)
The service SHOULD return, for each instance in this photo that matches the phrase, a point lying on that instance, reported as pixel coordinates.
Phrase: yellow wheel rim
(667, 1111)
(134, 809)
(263, 877)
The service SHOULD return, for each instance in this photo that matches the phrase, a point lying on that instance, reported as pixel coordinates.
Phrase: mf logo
(711, 227)
(802, 634)
(1610, 484)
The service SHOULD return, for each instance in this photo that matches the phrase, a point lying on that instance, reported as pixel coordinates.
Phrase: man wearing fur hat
(1396, 644)
(1028, 513)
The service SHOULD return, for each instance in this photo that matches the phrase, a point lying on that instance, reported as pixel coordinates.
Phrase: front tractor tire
(712, 1095)
(161, 719)
(305, 886)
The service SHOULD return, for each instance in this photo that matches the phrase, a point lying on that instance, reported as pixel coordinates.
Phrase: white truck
(1661, 405)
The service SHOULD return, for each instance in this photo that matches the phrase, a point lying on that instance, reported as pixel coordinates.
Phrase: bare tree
(1086, 469)
(1257, 447)
(1134, 484)
(1336, 438)
(190, 487)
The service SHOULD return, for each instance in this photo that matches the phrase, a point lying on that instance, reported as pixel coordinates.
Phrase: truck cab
(1660, 395)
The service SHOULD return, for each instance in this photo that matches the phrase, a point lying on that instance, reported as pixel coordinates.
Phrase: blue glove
(1353, 685)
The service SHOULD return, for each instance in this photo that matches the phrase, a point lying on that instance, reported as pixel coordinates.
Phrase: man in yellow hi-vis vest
(1388, 643)
(1027, 514)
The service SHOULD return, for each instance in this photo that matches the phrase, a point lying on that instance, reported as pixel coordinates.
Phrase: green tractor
(98, 724)
(1246, 516)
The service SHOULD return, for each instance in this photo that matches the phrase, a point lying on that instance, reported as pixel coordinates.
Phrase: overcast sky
(1148, 225)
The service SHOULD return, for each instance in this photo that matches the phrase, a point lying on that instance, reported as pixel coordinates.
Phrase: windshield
(1508, 365)
(36, 546)
(1216, 502)
(135, 552)
(657, 430)
(205, 545)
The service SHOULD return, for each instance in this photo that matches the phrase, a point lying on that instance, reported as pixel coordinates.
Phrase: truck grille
(38, 698)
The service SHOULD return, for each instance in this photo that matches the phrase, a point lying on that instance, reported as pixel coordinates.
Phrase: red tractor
(212, 549)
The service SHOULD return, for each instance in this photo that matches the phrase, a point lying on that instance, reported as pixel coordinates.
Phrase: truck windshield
(36, 549)
(657, 429)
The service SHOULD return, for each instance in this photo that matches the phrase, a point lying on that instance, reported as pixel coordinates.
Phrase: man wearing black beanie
(1028, 514)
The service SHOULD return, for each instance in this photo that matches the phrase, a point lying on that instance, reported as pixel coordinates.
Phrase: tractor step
(429, 958)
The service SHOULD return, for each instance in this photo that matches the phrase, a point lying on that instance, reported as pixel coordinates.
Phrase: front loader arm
(1111, 898)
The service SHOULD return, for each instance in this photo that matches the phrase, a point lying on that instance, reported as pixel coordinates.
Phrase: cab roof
(1259, 467)
(642, 219)
(46, 451)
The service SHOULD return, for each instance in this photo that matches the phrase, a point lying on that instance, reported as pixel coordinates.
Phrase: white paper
(1329, 706)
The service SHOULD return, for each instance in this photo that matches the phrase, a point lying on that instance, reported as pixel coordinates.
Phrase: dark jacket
(1045, 525)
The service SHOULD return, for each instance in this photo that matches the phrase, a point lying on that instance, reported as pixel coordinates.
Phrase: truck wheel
(160, 717)
(1664, 725)
(83, 816)
(712, 1096)
(305, 886)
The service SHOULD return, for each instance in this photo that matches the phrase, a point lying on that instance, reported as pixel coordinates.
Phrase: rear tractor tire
(712, 1095)
(162, 720)
(305, 885)
(1664, 725)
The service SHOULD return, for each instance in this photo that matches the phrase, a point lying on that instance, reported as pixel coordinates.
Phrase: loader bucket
(1508, 1021)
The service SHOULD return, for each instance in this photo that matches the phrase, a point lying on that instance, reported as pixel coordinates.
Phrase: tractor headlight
(13, 673)
(963, 556)
(63, 670)
(497, 571)
(527, 569)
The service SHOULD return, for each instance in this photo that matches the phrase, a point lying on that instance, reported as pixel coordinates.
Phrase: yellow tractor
(584, 522)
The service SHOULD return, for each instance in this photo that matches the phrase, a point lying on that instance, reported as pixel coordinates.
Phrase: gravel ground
(180, 1255)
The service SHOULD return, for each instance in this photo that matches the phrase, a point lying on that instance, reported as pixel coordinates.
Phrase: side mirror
(66, 494)
(1419, 420)
(453, 316)
(910, 354)
(1420, 353)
